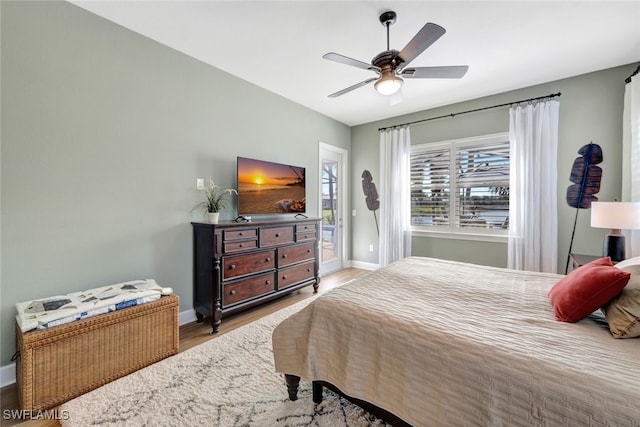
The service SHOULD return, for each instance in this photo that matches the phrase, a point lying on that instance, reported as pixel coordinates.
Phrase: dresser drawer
(276, 236)
(246, 289)
(299, 273)
(306, 236)
(305, 227)
(305, 232)
(293, 254)
(240, 265)
(240, 234)
(241, 245)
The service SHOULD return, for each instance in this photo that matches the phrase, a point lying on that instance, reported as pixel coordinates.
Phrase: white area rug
(227, 381)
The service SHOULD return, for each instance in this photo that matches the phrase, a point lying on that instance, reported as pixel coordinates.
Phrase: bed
(436, 342)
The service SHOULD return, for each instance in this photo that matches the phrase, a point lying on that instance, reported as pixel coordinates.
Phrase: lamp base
(614, 247)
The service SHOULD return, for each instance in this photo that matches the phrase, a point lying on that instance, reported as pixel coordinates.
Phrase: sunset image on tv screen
(267, 187)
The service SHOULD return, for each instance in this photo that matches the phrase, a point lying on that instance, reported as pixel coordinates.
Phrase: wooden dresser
(239, 265)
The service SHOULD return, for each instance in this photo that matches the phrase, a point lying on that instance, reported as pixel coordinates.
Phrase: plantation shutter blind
(461, 185)
(482, 185)
(430, 187)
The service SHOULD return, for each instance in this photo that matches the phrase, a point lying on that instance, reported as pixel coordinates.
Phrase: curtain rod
(628, 79)
(553, 95)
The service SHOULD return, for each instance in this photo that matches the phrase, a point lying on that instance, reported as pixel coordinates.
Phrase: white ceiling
(278, 45)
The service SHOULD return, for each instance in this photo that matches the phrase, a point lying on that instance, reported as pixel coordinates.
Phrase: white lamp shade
(616, 215)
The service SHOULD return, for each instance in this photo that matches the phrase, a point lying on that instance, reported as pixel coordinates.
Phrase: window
(461, 186)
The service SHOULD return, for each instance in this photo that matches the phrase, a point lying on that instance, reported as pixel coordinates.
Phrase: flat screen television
(270, 188)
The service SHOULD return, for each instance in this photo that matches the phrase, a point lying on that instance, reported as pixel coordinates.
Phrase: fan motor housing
(387, 59)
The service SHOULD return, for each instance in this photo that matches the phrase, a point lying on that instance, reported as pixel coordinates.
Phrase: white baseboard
(186, 316)
(8, 372)
(364, 265)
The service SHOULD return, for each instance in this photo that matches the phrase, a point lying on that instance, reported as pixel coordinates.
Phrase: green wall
(590, 110)
(104, 133)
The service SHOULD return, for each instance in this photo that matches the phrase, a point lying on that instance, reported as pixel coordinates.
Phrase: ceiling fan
(391, 65)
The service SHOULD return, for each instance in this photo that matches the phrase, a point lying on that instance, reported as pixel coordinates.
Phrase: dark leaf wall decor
(370, 195)
(586, 177)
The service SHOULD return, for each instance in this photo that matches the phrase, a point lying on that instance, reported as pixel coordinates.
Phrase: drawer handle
(268, 259)
(232, 266)
(308, 269)
(267, 282)
(240, 245)
(308, 251)
(284, 277)
(284, 255)
(233, 292)
(277, 234)
(241, 234)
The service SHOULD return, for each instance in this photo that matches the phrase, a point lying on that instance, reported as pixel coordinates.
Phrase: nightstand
(578, 260)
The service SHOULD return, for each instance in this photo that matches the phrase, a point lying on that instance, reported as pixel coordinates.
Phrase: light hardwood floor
(194, 333)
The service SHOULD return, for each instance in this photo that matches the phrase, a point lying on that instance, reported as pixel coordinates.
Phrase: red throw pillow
(586, 289)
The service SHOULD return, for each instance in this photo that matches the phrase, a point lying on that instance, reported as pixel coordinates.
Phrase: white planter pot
(213, 217)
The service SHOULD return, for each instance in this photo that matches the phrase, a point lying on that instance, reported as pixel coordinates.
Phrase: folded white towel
(60, 309)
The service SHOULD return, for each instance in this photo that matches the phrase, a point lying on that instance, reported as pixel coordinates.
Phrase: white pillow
(628, 262)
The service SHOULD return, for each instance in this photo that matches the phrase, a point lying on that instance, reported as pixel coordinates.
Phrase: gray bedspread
(442, 343)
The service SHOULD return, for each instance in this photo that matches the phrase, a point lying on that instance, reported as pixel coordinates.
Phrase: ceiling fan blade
(332, 56)
(350, 88)
(425, 38)
(447, 72)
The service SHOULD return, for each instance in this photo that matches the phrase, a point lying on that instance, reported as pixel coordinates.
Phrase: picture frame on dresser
(237, 266)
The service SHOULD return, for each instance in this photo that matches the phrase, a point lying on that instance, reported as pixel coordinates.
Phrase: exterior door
(333, 204)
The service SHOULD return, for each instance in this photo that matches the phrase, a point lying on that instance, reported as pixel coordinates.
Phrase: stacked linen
(48, 312)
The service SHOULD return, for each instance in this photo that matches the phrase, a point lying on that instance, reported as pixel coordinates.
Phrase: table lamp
(616, 216)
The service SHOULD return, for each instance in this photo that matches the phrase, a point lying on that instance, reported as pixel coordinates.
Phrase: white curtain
(395, 192)
(631, 157)
(533, 205)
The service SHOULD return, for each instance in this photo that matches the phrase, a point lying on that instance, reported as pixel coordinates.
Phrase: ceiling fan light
(388, 84)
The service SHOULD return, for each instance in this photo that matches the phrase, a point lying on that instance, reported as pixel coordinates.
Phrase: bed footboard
(293, 383)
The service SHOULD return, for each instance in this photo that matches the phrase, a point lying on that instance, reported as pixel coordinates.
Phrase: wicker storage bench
(63, 362)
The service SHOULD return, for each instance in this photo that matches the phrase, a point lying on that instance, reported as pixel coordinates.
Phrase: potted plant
(215, 200)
